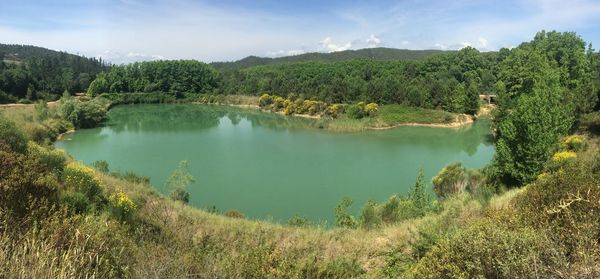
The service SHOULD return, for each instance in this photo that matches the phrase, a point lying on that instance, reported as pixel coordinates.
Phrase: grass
(397, 114)
(390, 116)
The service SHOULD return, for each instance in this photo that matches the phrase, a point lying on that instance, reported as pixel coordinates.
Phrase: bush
(181, 195)
(52, 160)
(371, 109)
(369, 217)
(299, 221)
(101, 166)
(83, 114)
(567, 204)
(82, 179)
(335, 110)
(232, 213)
(76, 201)
(574, 143)
(12, 137)
(489, 249)
(357, 111)
(265, 100)
(131, 177)
(452, 179)
(342, 217)
(121, 206)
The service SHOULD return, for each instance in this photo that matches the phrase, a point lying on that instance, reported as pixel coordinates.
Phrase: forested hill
(30, 72)
(380, 53)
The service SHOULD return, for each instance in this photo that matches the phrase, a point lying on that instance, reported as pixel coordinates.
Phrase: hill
(380, 53)
(30, 72)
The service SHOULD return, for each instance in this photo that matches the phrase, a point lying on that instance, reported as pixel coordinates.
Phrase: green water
(269, 166)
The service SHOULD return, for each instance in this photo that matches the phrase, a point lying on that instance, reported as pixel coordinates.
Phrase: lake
(269, 166)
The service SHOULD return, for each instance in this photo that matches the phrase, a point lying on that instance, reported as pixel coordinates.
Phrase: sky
(124, 31)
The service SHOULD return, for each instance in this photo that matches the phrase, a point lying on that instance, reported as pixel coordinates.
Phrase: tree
(530, 132)
(418, 194)
(178, 182)
(342, 217)
(451, 179)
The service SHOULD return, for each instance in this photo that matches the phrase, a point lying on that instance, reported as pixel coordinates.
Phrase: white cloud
(373, 41)
(482, 42)
(328, 45)
(440, 46)
(119, 58)
(405, 42)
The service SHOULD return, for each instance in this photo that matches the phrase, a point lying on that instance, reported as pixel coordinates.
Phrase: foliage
(101, 166)
(178, 181)
(564, 156)
(490, 249)
(84, 114)
(232, 213)
(11, 137)
(121, 206)
(42, 74)
(369, 218)
(452, 179)
(299, 221)
(342, 217)
(80, 178)
(178, 76)
(573, 142)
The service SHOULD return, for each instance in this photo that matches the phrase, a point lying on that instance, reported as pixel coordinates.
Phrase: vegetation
(30, 73)
(183, 76)
(533, 212)
(379, 53)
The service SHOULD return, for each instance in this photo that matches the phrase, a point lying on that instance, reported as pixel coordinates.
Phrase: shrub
(179, 180)
(564, 156)
(334, 110)
(489, 249)
(574, 143)
(342, 217)
(181, 195)
(299, 221)
(83, 114)
(81, 178)
(76, 201)
(131, 177)
(337, 268)
(53, 160)
(369, 217)
(12, 137)
(265, 100)
(232, 213)
(567, 204)
(101, 166)
(371, 109)
(452, 179)
(122, 207)
(357, 111)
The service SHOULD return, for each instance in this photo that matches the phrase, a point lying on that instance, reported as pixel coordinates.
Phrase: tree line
(29, 73)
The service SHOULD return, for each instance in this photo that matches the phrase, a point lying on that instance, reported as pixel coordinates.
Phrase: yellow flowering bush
(265, 100)
(371, 109)
(563, 156)
(51, 159)
(122, 206)
(334, 110)
(573, 142)
(83, 179)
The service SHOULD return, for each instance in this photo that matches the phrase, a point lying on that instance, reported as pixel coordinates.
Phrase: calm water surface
(270, 166)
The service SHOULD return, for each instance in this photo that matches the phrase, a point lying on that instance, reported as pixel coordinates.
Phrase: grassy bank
(52, 226)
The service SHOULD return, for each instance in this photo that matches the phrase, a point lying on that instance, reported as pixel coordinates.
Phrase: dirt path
(50, 104)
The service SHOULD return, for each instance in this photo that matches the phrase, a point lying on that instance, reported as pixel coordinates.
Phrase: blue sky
(122, 31)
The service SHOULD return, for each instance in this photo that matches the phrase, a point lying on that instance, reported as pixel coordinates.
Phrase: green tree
(342, 217)
(418, 194)
(530, 132)
(178, 182)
